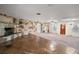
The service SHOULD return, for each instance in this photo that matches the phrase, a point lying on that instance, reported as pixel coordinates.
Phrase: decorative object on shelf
(14, 20)
(20, 21)
(3, 14)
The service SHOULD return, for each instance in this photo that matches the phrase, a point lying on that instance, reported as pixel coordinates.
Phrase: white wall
(38, 26)
(69, 26)
(54, 28)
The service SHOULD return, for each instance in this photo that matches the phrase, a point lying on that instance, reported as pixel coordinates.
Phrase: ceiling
(47, 11)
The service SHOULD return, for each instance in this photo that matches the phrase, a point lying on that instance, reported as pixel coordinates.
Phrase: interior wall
(71, 30)
(69, 27)
(54, 27)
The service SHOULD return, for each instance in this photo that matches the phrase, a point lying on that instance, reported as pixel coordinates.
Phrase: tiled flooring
(33, 44)
(71, 41)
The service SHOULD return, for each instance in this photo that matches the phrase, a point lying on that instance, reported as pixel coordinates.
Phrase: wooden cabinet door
(63, 29)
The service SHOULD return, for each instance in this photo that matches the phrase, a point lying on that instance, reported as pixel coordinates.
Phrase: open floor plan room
(39, 29)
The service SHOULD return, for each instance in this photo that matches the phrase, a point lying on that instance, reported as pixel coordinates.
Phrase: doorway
(62, 29)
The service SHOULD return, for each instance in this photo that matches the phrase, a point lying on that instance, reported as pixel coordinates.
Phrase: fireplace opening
(8, 31)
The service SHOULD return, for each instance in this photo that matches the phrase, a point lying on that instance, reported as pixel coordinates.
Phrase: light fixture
(38, 13)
